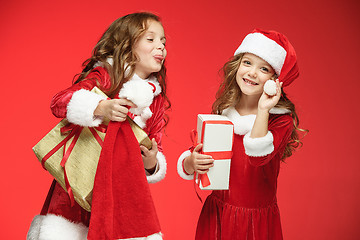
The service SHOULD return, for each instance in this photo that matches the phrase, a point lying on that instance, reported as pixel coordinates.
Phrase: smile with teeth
(250, 82)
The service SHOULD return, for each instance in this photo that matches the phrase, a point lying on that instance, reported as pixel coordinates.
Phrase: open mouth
(249, 82)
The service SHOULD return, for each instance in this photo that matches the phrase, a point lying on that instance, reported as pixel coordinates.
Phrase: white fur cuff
(259, 147)
(52, 227)
(160, 170)
(81, 107)
(275, 110)
(34, 231)
(180, 168)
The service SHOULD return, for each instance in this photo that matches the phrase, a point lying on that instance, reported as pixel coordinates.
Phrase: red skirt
(222, 221)
(58, 202)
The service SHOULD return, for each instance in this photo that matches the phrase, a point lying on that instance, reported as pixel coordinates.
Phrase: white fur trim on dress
(259, 147)
(80, 109)
(156, 84)
(264, 47)
(155, 236)
(140, 121)
(52, 227)
(242, 124)
(139, 92)
(180, 167)
(161, 171)
(275, 110)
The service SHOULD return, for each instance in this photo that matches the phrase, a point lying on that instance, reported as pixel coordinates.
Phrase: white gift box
(216, 133)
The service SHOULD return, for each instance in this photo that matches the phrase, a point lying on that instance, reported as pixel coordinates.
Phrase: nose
(252, 72)
(160, 45)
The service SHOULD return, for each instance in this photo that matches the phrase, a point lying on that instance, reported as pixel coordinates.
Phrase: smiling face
(150, 50)
(252, 74)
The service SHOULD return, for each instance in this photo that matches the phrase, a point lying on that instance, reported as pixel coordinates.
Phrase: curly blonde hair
(229, 93)
(117, 43)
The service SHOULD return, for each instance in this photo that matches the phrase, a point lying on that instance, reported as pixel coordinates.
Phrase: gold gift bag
(83, 145)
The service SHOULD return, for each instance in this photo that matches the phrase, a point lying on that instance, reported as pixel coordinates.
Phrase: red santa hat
(275, 49)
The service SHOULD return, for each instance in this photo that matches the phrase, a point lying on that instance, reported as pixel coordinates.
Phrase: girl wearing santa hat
(128, 65)
(266, 132)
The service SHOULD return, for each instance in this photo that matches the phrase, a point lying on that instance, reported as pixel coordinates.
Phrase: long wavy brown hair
(229, 94)
(118, 42)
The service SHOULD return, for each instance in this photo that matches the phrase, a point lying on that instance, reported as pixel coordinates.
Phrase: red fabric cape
(122, 206)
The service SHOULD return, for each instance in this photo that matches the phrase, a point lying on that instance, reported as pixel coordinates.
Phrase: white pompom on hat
(275, 49)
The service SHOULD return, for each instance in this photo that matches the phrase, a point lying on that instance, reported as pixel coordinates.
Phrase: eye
(246, 62)
(265, 69)
(150, 39)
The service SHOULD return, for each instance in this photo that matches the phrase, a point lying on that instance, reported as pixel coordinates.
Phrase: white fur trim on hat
(160, 171)
(80, 109)
(180, 167)
(259, 147)
(264, 47)
(52, 227)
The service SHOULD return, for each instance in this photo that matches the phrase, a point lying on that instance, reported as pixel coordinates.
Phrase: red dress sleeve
(280, 129)
(97, 77)
(155, 125)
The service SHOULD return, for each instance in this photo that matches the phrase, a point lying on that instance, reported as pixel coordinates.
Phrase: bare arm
(266, 102)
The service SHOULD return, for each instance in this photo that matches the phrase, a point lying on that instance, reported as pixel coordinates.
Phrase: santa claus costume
(249, 210)
(58, 218)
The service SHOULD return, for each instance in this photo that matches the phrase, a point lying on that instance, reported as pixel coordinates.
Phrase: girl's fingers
(118, 113)
(144, 150)
(204, 167)
(205, 161)
(202, 171)
(126, 102)
(203, 156)
(118, 119)
(198, 147)
(121, 109)
(154, 145)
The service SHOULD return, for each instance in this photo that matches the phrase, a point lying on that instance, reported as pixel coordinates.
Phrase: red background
(43, 44)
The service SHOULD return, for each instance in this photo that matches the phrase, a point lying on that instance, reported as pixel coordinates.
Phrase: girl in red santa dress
(128, 65)
(265, 127)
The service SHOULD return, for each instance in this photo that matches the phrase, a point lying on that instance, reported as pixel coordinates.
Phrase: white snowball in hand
(270, 87)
